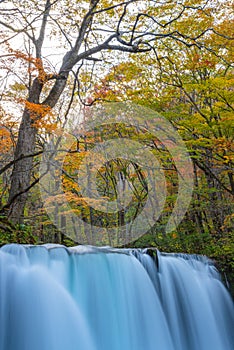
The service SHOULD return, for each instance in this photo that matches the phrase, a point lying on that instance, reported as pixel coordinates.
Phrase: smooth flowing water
(85, 298)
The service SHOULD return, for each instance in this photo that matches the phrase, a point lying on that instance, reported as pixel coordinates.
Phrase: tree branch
(8, 165)
(39, 41)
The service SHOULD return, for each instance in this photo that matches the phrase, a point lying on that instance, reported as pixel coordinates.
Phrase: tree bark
(22, 169)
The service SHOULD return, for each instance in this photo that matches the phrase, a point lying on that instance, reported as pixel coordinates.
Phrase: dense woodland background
(59, 59)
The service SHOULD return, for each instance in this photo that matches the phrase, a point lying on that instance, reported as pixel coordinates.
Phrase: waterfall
(86, 298)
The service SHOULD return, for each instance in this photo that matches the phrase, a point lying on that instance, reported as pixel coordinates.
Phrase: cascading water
(84, 298)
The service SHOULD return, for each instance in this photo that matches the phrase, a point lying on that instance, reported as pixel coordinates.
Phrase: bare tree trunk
(21, 174)
(22, 169)
(197, 210)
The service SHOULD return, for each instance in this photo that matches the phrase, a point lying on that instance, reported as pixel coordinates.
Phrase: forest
(64, 62)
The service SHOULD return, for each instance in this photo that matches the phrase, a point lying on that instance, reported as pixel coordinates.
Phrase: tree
(193, 88)
(121, 190)
(84, 33)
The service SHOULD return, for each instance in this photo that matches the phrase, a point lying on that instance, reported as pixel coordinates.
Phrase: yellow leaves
(70, 185)
(119, 83)
(223, 144)
(228, 159)
(228, 222)
(60, 199)
(106, 4)
(18, 87)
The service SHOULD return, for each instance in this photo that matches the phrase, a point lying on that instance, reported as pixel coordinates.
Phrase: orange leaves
(7, 130)
(34, 65)
(5, 140)
(198, 60)
(38, 66)
(37, 110)
(41, 115)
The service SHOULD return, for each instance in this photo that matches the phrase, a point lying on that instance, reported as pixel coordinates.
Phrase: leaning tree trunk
(23, 157)
(21, 175)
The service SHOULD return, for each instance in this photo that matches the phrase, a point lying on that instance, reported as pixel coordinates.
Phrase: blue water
(85, 298)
